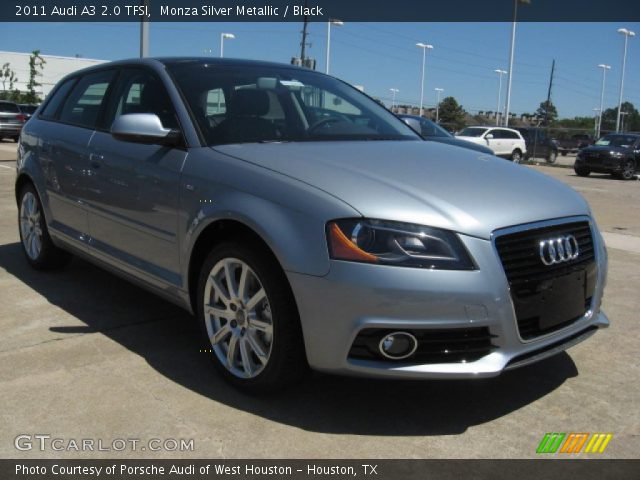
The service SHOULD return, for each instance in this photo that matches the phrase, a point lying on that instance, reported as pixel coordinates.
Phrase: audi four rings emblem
(559, 250)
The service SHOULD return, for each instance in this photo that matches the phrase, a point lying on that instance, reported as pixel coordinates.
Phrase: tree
(8, 79)
(631, 119)
(451, 113)
(547, 113)
(36, 65)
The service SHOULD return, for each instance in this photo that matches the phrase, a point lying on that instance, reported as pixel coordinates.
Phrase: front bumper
(354, 297)
(601, 164)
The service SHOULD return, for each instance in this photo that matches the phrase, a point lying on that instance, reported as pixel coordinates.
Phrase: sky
(380, 56)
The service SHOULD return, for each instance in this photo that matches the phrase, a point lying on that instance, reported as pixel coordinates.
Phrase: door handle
(95, 160)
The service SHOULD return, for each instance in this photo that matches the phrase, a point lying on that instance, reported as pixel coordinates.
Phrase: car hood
(420, 182)
(461, 143)
(605, 149)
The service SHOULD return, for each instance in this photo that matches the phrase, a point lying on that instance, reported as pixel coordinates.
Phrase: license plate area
(551, 304)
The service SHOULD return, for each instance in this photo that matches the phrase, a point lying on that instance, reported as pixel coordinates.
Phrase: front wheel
(516, 156)
(628, 170)
(37, 245)
(249, 319)
(581, 171)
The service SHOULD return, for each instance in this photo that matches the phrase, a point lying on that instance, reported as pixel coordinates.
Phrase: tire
(37, 246)
(628, 171)
(563, 153)
(15, 139)
(516, 156)
(267, 328)
(582, 171)
(552, 157)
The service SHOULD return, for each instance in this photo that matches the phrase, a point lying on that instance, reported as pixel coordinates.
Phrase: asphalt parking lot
(84, 354)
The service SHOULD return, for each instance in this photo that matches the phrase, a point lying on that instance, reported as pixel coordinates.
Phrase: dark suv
(616, 153)
(539, 144)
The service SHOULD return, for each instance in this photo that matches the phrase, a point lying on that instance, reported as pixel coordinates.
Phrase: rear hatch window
(9, 108)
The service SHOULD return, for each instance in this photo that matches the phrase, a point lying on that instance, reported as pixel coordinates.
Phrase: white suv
(505, 142)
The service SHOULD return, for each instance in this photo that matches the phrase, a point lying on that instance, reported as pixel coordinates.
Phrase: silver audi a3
(304, 225)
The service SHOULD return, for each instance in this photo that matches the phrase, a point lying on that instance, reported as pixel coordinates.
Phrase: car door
(64, 154)
(494, 143)
(133, 221)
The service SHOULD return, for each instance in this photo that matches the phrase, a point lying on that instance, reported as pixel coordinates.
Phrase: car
(574, 143)
(27, 109)
(539, 143)
(433, 132)
(615, 153)
(504, 142)
(11, 120)
(304, 225)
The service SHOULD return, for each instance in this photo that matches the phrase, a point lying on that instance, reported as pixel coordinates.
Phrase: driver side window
(139, 91)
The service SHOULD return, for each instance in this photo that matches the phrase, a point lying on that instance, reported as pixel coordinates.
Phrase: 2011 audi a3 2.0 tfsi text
(304, 224)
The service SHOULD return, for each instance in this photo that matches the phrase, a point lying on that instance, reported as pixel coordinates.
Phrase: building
(55, 68)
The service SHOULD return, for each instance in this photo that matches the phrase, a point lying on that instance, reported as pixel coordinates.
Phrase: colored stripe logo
(574, 443)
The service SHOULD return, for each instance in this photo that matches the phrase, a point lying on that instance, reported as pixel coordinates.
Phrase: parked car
(304, 224)
(616, 153)
(574, 143)
(28, 109)
(539, 144)
(504, 142)
(433, 132)
(11, 120)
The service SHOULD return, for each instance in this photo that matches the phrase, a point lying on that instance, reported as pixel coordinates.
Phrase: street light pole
(393, 98)
(596, 121)
(604, 76)
(144, 31)
(498, 109)
(229, 36)
(511, 53)
(627, 34)
(439, 91)
(337, 23)
(424, 47)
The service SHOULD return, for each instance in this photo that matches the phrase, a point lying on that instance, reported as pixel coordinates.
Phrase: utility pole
(303, 44)
(546, 110)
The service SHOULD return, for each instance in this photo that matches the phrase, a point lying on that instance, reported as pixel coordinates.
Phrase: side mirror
(488, 136)
(143, 128)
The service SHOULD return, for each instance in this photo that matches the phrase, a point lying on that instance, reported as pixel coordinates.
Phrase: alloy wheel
(238, 318)
(628, 170)
(30, 226)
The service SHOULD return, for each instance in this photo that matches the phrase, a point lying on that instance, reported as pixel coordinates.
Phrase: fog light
(398, 345)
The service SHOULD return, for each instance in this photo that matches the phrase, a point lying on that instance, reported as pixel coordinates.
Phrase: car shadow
(167, 338)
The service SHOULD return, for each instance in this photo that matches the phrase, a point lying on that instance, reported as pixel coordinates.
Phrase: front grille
(451, 345)
(532, 282)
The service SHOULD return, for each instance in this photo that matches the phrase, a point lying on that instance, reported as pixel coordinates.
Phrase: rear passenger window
(83, 106)
(53, 105)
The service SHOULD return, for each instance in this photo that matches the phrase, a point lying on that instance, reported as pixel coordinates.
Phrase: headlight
(396, 243)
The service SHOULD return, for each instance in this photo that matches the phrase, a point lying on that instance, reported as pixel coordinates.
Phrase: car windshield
(8, 107)
(431, 129)
(472, 132)
(624, 141)
(250, 104)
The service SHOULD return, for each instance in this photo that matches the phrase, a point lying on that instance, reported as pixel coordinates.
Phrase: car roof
(170, 61)
(493, 128)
